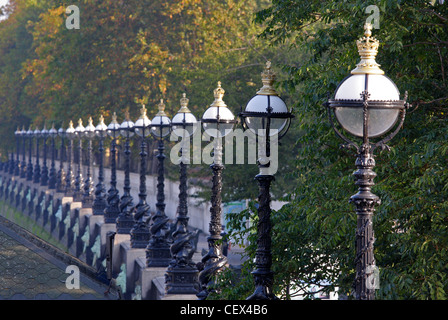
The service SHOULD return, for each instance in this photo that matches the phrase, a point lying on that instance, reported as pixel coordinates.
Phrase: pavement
(31, 271)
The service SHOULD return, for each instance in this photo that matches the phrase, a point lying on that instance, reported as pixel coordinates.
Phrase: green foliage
(313, 236)
(133, 52)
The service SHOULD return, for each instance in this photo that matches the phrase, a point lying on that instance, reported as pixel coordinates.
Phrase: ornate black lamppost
(113, 200)
(70, 133)
(367, 105)
(267, 116)
(217, 121)
(53, 175)
(44, 173)
(99, 204)
(87, 197)
(158, 251)
(23, 163)
(125, 220)
(79, 184)
(182, 273)
(140, 234)
(16, 167)
(29, 167)
(60, 185)
(36, 174)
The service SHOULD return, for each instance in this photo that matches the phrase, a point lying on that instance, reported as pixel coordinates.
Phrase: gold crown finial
(368, 49)
(368, 29)
(80, 122)
(114, 117)
(90, 120)
(218, 93)
(126, 115)
(161, 107)
(101, 119)
(268, 78)
(70, 124)
(143, 111)
(184, 104)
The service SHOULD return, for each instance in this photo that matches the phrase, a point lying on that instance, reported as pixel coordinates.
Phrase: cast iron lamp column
(79, 184)
(70, 177)
(158, 250)
(99, 204)
(36, 174)
(44, 173)
(29, 167)
(182, 276)
(367, 105)
(125, 220)
(217, 121)
(113, 200)
(15, 168)
(266, 116)
(52, 176)
(89, 134)
(140, 234)
(17, 134)
(23, 163)
(60, 185)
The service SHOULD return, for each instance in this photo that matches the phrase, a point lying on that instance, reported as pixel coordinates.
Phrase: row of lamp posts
(266, 112)
(366, 104)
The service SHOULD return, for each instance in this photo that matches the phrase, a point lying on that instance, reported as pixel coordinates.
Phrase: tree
(313, 236)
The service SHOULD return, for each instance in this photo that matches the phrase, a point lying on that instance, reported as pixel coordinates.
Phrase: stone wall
(75, 230)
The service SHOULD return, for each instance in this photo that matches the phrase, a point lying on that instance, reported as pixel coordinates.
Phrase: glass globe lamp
(218, 120)
(161, 124)
(184, 123)
(266, 110)
(367, 102)
(142, 126)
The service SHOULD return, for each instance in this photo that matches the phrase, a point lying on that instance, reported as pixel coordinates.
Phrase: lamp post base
(263, 288)
(182, 280)
(140, 237)
(140, 234)
(125, 222)
(158, 256)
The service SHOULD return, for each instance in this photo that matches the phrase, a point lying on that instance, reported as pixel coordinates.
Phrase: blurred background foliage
(131, 52)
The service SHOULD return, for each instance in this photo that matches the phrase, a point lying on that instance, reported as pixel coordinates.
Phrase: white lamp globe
(79, 130)
(36, 133)
(380, 88)
(143, 124)
(29, 133)
(53, 132)
(89, 130)
(127, 127)
(261, 104)
(266, 109)
(101, 129)
(114, 127)
(218, 120)
(161, 124)
(367, 82)
(70, 132)
(44, 132)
